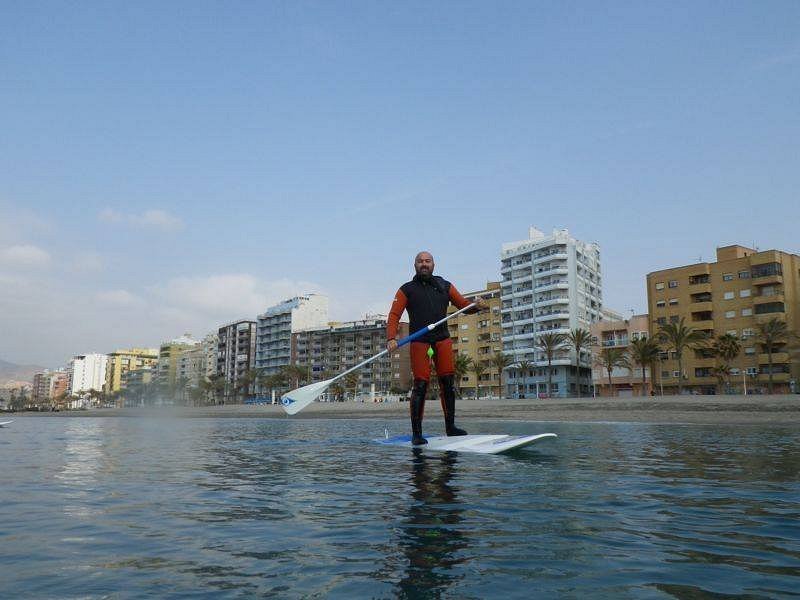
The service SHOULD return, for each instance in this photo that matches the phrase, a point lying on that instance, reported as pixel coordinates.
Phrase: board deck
(480, 444)
(4, 423)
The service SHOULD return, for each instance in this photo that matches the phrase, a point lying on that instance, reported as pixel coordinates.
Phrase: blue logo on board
(286, 401)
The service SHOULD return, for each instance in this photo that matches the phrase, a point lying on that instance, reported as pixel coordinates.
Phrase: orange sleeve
(457, 299)
(398, 306)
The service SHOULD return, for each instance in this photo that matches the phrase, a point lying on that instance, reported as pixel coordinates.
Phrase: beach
(754, 409)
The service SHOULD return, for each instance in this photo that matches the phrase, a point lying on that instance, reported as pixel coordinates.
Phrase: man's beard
(424, 274)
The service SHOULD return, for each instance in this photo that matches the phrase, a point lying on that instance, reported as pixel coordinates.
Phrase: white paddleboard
(4, 423)
(481, 444)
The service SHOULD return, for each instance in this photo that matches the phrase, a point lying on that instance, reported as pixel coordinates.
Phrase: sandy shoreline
(777, 409)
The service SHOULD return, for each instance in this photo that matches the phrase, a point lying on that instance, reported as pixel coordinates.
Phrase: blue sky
(185, 164)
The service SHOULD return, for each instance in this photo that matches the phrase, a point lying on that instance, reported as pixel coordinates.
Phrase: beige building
(340, 346)
(616, 332)
(122, 361)
(169, 354)
(743, 288)
(479, 336)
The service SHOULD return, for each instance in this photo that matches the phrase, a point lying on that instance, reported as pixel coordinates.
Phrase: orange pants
(442, 359)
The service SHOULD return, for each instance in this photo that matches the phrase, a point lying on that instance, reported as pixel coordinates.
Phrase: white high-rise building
(551, 283)
(276, 325)
(87, 372)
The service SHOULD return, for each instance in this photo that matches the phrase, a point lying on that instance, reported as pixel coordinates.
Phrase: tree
(478, 370)
(463, 363)
(644, 352)
(579, 339)
(550, 343)
(501, 361)
(522, 367)
(725, 348)
(351, 383)
(610, 358)
(771, 335)
(678, 337)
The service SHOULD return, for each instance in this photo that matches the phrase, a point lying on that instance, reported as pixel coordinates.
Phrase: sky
(169, 167)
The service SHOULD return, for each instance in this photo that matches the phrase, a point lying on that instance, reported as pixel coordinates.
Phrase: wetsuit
(426, 299)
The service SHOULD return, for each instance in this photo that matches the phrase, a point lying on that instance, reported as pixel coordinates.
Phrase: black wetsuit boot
(417, 410)
(447, 393)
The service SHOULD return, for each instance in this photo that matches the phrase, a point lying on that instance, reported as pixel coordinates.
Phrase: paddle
(296, 400)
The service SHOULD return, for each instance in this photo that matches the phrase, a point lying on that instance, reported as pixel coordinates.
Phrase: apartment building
(169, 355)
(236, 355)
(550, 283)
(275, 327)
(479, 337)
(87, 372)
(743, 288)
(49, 385)
(122, 361)
(340, 346)
(615, 331)
(134, 386)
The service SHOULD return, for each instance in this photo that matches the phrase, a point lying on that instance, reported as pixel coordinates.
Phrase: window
(769, 307)
(766, 270)
(744, 274)
(661, 303)
(752, 370)
(747, 333)
(666, 374)
(676, 373)
(735, 371)
(674, 319)
(733, 332)
(660, 286)
(661, 320)
(673, 284)
(727, 276)
(750, 350)
(663, 355)
(729, 314)
(728, 296)
(747, 312)
(673, 301)
(465, 326)
(464, 339)
(744, 293)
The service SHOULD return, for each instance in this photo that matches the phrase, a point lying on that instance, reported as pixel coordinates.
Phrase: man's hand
(391, 345)
(481, 304)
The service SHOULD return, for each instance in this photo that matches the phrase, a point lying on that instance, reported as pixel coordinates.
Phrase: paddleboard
(4, 423)
(480, 444)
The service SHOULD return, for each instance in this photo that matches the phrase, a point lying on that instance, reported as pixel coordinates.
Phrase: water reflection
(431, 538)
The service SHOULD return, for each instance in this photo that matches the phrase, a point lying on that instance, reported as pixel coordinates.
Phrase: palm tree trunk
(549, 378)
(578, 360)
(680, 375)
(644, 382)
(610, 385)
(769, 360)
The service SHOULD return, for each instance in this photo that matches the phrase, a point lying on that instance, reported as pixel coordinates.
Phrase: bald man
(426, 298)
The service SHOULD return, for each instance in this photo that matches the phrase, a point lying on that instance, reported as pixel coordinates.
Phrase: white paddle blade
(296, 400)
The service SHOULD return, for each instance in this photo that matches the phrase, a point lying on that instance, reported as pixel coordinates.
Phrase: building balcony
(776, 377)
(554, 285)
(553, 256)
(552, 316)
(702, 324)
(552, 271)
(777, 358)
(768, 280)
(552, 301)
(762, 299)
(702, 306)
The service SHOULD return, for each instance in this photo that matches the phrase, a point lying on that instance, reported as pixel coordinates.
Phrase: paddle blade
(296, 400)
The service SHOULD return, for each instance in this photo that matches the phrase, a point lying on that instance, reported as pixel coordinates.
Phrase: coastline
(707, 410)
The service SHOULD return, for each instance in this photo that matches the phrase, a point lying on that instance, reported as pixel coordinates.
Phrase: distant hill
(13, 372)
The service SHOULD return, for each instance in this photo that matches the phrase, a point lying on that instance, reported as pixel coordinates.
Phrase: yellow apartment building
(616, 332)
(742, 288)
(122, 361)
(479, 337)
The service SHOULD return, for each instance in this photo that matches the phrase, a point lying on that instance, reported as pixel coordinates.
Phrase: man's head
(423, 264)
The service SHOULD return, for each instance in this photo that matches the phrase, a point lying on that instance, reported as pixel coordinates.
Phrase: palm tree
(463, 363)
(610, 358)
(644, 352)
(725, 348)
(500, 361)
(478, 370)
(579, 339)
(678, 337)
(522, 366)
(550, 343)
(351, 382)
(770, 336)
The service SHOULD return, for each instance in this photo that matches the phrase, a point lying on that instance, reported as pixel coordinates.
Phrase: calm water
(122, 508)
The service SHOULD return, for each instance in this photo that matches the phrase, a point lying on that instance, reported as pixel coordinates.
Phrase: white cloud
(120, 298)
(153, 218)
(88, 262)
(24, 256)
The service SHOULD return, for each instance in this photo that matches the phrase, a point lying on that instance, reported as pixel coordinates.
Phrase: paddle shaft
(406, 340)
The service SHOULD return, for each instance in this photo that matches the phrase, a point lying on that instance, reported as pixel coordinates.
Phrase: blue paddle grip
(414, 336)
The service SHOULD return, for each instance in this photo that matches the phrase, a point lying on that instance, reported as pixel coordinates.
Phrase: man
(426, 298)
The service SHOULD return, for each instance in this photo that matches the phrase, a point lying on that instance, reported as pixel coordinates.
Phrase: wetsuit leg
(445, 368)
(421, 369)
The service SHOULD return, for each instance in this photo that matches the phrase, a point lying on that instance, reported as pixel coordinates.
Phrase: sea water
(242, 508)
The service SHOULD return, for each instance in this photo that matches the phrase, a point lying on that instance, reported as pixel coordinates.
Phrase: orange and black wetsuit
(426, 299)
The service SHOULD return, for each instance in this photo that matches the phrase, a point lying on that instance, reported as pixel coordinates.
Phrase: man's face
(423, 264)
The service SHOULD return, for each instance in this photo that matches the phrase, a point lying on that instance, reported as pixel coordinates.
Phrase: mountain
(13, 372)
